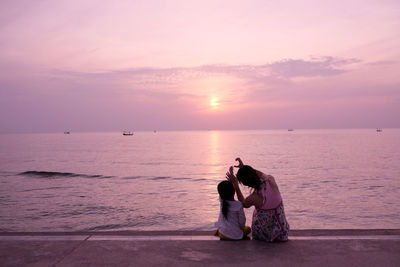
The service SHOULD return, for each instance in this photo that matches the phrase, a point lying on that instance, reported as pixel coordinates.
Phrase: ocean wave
(161, 178)
(6, 173)
(132, 177)
(105, 227)
(161, 163)
(53, 175)
(138, 222)
(177, 178)
(47, 174)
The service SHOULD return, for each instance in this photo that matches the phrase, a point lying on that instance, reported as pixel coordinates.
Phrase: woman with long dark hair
(269, 220)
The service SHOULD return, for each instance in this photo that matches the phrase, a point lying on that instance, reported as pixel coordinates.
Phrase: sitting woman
(231, 221)
(269, 220)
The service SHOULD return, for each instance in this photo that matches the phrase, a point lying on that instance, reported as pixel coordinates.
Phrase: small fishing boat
(378, 130)
(126, 133)
(67, 132)
(290, 130)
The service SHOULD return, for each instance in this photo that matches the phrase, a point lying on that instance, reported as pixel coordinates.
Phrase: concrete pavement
(183, 248)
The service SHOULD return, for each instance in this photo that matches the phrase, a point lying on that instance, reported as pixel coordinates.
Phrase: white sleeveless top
(232, 226)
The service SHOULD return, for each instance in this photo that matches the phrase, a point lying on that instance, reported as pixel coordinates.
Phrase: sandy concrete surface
(179, 248)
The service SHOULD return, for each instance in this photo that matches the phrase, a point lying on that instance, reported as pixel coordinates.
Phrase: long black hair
(226, 192)
(248, 176)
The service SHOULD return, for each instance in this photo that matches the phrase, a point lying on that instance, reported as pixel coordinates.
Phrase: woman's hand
(240, 163)
(231, 177)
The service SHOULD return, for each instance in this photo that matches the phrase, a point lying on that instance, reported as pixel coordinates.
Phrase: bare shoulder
(272, 182)
(266, 177)
(270, 178)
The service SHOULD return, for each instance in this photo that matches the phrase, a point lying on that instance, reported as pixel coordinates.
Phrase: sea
(167, 180)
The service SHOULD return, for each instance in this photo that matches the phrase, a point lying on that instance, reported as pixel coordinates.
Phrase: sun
(214, 102)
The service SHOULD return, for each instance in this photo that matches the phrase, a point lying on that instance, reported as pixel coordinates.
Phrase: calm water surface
(167, 180)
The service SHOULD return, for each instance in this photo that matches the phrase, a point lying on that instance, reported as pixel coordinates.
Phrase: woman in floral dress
(269, 220)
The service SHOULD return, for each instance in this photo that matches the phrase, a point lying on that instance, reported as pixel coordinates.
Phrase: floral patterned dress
(270, 224)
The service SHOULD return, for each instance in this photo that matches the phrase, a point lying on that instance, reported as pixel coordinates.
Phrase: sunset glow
(196, 120)
(101, 65)
(214, 103)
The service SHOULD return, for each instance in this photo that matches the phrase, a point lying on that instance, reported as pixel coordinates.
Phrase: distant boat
(67, 132)
(126, 133)
(290, 130)
(378, 129)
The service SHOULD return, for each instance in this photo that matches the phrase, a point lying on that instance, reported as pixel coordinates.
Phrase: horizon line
(191, 130)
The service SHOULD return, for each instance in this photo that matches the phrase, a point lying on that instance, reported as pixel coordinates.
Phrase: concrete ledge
(305, 232)
(378, 247)
(177, 237)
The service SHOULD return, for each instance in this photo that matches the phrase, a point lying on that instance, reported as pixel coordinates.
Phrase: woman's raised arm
(247, 202)
(233, 179)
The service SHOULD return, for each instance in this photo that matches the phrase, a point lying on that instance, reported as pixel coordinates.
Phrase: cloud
(382, 63)
(280, 70)
(236, 83)
(327, 66)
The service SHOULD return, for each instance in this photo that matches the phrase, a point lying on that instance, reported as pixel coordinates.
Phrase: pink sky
(182, 65)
